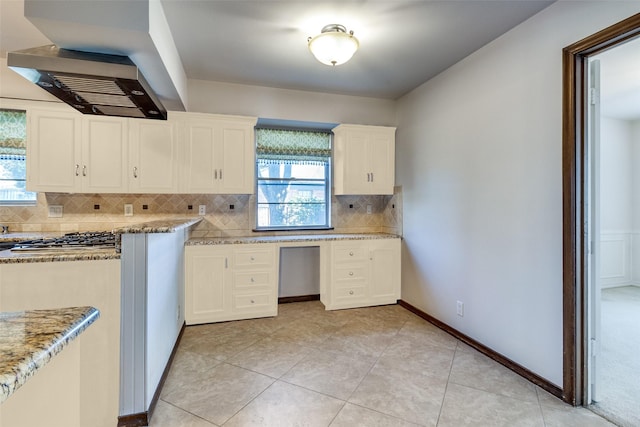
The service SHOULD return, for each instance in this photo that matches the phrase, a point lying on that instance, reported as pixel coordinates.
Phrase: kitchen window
(13, 158)
(293, 169)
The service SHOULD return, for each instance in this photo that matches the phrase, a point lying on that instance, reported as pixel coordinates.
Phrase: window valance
(299, 147)
(13, 132)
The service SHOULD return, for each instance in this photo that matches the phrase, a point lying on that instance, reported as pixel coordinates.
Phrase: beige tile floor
(377, 366)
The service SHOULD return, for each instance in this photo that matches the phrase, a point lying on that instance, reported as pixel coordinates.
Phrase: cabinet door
(236, 161)
(208, 293)
(357, 170)
(382, 162)
(153, 156)
(385, 271)
(104, 155)
(200, 174)
(364, 159)
(53, 151)
(219, 157)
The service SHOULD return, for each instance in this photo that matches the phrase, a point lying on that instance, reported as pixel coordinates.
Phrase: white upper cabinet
(104, 155)
(364, 159)
(153, 156)
(53, 151)
(71, 153)
(218, 154)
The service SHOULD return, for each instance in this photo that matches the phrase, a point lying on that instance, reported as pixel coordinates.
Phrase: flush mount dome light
(333, 46)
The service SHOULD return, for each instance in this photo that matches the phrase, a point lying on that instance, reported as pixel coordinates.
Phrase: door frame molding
(574, 80)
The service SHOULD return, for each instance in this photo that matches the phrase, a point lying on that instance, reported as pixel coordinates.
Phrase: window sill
(289, 229)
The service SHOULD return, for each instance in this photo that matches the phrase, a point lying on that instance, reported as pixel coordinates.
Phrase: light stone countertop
(27, 235)
(13, 257)
(159, 226)
(17, 257)
(29, 339)
(287, 238)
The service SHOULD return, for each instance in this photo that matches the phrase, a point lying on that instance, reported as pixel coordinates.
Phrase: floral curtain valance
(13, 132)
(295, 146)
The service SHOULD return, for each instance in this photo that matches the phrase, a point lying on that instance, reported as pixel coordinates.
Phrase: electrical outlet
(368, 209)
(128, 209)
(460, 308)
(55, 211)
(202, 209)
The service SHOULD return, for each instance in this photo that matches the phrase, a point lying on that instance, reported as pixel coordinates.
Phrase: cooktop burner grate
(85, 240)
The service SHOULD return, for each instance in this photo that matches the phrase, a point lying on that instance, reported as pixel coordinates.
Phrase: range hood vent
(92, 83)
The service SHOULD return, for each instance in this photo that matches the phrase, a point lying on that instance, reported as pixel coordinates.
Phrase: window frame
(327, 188)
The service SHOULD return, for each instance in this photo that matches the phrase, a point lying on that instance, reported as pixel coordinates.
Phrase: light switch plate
(128, 209)
(55, 211)
(202, 210)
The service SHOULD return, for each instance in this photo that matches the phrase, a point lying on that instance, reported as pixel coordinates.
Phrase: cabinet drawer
(349, 253)
(349, 293)
(356, 271)
(246, 259)
(255, 302)
(251, 280)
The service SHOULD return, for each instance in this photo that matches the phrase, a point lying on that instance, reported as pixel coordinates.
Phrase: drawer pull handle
(252, 280)
(252, 258)
(350, 292)
(351, 273)
(253, 302)
(351, 253)
(77, 166)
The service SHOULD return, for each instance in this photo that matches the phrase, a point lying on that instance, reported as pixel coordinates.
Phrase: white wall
(635, 243)
(479, 158)
(615, 175)
(616, 202)
(259, 101)
(272, 103)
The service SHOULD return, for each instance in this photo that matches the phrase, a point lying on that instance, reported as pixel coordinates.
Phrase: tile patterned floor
(377, 366)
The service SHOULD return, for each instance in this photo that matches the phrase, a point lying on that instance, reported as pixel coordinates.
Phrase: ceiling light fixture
(333, 46)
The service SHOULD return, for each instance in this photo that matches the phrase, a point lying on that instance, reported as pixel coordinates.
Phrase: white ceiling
(403, 42)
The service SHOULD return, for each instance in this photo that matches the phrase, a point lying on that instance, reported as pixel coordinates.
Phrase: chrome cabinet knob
(351, 253)
(350, 292)
(351, 273)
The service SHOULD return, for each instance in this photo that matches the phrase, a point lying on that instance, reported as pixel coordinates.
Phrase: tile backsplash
(227, 215)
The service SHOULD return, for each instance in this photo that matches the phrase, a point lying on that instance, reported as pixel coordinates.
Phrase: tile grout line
(368, 372)
(189, 412)
(446, 387)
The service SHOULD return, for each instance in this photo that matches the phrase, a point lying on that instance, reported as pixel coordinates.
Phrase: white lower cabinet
(230, 282)
(363, 273)
(240, 281)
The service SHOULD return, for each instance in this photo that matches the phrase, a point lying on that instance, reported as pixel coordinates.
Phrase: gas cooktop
(70, 241)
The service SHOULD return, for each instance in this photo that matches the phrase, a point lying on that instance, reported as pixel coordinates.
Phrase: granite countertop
(12, 257)
(15, 257)
(29, 339)
(26, 235)
(159, 226)
(287, 238)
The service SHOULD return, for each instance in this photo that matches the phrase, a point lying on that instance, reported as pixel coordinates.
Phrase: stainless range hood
(92, 83)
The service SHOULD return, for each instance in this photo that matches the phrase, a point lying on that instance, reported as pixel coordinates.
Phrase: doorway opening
(613, 233)
(584, 246)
